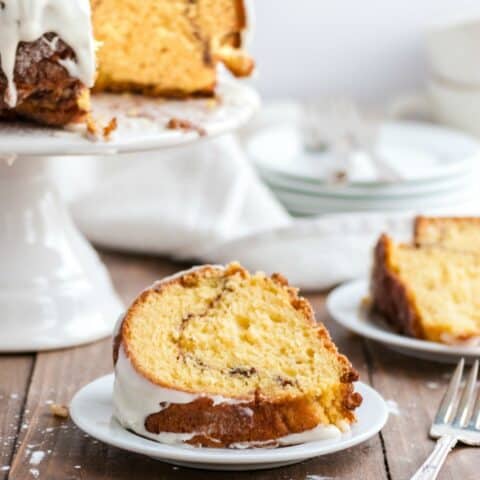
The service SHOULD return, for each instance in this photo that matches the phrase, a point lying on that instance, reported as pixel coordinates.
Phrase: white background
(369, 49)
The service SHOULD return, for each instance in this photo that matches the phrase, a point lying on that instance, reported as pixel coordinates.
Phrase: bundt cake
(457, 233)
(154, 47)
(217, 357)
(429, 292)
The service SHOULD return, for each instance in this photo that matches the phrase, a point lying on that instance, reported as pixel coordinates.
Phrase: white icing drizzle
(29, 20)
(135, 398)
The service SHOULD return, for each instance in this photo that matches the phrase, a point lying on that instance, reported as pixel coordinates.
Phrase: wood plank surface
(415, 387)
(52, 448)
(15, 372)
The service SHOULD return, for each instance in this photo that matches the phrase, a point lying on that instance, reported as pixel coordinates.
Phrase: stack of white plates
(435, 167)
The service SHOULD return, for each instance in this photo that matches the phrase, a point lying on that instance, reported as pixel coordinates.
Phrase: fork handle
(432, 465)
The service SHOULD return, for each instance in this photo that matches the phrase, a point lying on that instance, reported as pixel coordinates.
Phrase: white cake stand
(54, 290)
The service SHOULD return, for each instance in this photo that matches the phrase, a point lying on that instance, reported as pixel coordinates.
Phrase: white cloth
(205, 203)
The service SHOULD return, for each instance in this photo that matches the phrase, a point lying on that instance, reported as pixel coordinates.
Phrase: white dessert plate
(141, 124)
(91, 410)
(344, 304)
(383, 192)
(418, 152)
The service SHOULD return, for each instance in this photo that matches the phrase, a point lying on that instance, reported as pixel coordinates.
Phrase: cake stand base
(54, 290)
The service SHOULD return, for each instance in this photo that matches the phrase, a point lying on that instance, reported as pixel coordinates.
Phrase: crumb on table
(59, 410)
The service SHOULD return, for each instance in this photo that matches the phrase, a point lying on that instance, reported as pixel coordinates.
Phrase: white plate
(419, 152)
(141, 124)
(317, 204)
(395, 191)
(91, 410)
(345, 306)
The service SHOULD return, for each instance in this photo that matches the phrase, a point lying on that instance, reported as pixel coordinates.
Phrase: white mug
(455, 107)
(453, 52)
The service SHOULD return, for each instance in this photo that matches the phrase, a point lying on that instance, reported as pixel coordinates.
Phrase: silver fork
(457, 420)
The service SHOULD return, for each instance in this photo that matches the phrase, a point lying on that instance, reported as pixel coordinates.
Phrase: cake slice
(217, 357)
(168, 47)
(428, 292)
(458, 233)
(47, 60)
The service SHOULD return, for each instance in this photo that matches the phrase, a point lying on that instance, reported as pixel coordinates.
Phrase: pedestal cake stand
(54, 290)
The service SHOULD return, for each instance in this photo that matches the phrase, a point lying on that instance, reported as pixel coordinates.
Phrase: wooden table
(28, 383)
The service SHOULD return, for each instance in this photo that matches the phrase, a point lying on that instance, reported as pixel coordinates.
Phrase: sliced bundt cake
(428, 292)
(48, 59)
(218, 357)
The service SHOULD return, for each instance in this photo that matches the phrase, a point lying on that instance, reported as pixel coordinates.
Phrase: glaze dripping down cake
(47, 60)
(217, 357)
(54, 51)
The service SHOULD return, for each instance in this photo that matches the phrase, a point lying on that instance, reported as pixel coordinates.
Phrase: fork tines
(460, 408)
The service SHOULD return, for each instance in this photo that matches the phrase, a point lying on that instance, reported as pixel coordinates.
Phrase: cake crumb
(432, 385)
(92, 128)
(186, 125)
(366, 302)
(58, 410)
(96, 131)
(108, 129)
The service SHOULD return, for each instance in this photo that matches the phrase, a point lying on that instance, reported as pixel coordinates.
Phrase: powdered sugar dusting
(317, 477)
(37, 457)
(393, 407)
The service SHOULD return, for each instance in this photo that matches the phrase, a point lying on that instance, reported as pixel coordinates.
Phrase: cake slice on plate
(430, 292)
(218, 357)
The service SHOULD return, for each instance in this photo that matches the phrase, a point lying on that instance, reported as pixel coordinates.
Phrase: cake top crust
(24, 21)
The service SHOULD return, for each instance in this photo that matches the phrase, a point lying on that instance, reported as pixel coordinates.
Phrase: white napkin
(204, 203)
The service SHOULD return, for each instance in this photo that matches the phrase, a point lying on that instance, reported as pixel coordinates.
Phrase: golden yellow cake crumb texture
(168, 47)
(444, 287)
